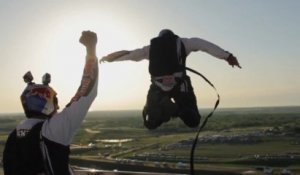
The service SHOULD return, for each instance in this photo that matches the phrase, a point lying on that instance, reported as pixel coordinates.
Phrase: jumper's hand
(232, 61)
(113, 56)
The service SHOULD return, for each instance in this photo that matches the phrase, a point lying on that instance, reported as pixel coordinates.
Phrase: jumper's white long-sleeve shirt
(190, 44)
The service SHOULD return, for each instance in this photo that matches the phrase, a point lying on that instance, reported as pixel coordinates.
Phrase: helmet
(39, 101)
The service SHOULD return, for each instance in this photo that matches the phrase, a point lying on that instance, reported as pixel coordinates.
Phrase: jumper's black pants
(160, 107)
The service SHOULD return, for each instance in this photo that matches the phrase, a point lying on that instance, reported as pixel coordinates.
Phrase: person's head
(39, 100)
(166, 33)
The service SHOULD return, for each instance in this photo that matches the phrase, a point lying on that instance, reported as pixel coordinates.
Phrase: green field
(234, 141)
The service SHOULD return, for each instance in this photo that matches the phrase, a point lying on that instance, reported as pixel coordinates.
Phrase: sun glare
(63, 56)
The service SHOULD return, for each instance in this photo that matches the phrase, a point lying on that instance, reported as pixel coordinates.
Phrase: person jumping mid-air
(171, 93)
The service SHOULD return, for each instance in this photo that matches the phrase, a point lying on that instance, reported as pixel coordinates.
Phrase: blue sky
(42, 36)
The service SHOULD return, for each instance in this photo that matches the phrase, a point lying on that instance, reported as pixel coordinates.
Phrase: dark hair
(166, 33)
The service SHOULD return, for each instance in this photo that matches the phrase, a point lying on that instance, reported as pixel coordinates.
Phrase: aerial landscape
(235, 141)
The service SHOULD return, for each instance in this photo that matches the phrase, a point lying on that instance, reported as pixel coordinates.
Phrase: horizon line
(204, 108)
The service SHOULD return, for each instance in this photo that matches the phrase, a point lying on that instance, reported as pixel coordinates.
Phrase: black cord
(192, 171)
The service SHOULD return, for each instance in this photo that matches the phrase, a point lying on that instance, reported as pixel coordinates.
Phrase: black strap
(204, 122)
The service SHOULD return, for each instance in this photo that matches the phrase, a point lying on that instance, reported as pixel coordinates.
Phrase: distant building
(92, 145)
(286, 172)
(181, 165)
(268, 171)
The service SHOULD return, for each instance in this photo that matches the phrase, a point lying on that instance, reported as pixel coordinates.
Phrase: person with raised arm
(40, 145)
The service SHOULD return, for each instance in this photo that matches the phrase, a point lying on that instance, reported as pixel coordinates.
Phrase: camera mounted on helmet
(27, 77)
(46, 79)
(38, 100)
